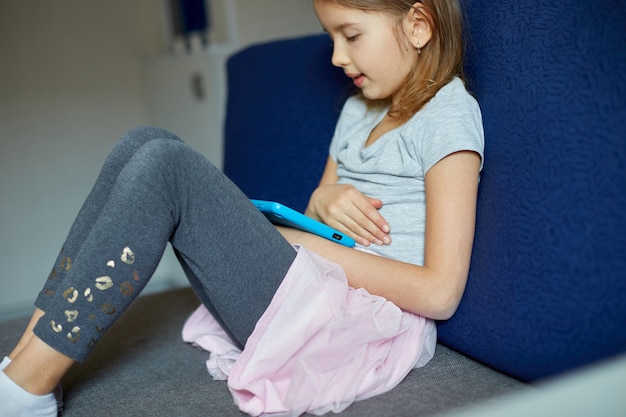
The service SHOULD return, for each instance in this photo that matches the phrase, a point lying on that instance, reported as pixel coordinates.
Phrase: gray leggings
(153, 189)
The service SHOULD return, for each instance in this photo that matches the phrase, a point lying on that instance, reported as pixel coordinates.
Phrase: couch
(546, 295)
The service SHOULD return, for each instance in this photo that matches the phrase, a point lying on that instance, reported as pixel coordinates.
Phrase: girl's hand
(346, 209)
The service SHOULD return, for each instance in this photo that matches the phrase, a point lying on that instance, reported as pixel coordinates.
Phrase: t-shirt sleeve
(454, 125)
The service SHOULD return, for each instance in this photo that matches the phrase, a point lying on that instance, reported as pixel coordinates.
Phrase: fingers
(366, 223)
(346, 209)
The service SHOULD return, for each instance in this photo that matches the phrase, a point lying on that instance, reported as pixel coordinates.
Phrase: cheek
(406, 61)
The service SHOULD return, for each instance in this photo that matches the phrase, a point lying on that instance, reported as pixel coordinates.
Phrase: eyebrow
(340, 27)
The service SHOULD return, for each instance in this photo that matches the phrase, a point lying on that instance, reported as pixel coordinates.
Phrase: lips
(358, 79)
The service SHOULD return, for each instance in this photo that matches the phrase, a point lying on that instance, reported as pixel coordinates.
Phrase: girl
(401, 179)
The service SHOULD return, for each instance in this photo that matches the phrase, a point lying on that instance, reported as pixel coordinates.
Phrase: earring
(419, 50)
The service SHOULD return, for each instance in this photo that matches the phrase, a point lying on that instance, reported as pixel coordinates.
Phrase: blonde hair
(438, 62)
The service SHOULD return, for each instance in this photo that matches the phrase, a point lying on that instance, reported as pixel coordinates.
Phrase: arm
(435, 289)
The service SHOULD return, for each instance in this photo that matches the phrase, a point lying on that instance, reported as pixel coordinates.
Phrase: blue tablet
(280, 214)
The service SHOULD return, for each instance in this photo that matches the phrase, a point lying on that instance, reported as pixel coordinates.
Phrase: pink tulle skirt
(319, 346)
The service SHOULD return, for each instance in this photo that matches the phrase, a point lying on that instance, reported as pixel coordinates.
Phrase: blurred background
(75, 75)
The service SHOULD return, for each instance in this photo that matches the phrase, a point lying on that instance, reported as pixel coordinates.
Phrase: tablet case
(280, 214)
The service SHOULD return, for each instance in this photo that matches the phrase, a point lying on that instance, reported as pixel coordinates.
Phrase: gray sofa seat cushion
(142, 367)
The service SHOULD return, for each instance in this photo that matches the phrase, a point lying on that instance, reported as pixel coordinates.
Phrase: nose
(339, 58)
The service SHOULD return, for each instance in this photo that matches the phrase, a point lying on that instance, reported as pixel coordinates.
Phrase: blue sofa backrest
(547, 285)
(547, 288)
(284, 98)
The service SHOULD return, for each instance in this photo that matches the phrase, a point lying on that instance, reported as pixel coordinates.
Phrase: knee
(144, 134)
(172, 159)
(160, 154)
(137, 138)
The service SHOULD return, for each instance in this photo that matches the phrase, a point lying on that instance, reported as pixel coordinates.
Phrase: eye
(352, 38)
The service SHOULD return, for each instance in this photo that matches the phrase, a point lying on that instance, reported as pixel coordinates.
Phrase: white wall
(71, 83)
(260, 20)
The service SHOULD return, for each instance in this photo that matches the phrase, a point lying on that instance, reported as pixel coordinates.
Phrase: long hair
(437, 63)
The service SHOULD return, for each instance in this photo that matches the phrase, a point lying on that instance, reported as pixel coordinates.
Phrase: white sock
(58, 391)
(16, 402)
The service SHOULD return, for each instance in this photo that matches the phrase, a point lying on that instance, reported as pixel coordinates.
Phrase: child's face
(367, 47)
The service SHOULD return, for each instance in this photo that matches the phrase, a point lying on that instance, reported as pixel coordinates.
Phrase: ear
(418, 25)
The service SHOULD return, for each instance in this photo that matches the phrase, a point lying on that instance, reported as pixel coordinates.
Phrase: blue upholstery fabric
(284, 99)
(547, 286)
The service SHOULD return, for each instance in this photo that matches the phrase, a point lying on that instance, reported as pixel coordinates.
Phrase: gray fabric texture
(393, 168)
(142, 367)
(154, 189)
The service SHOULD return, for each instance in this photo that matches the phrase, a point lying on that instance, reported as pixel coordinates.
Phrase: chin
(372, 96)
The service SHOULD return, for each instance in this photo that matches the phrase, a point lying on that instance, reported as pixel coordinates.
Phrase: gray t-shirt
(393, 168)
